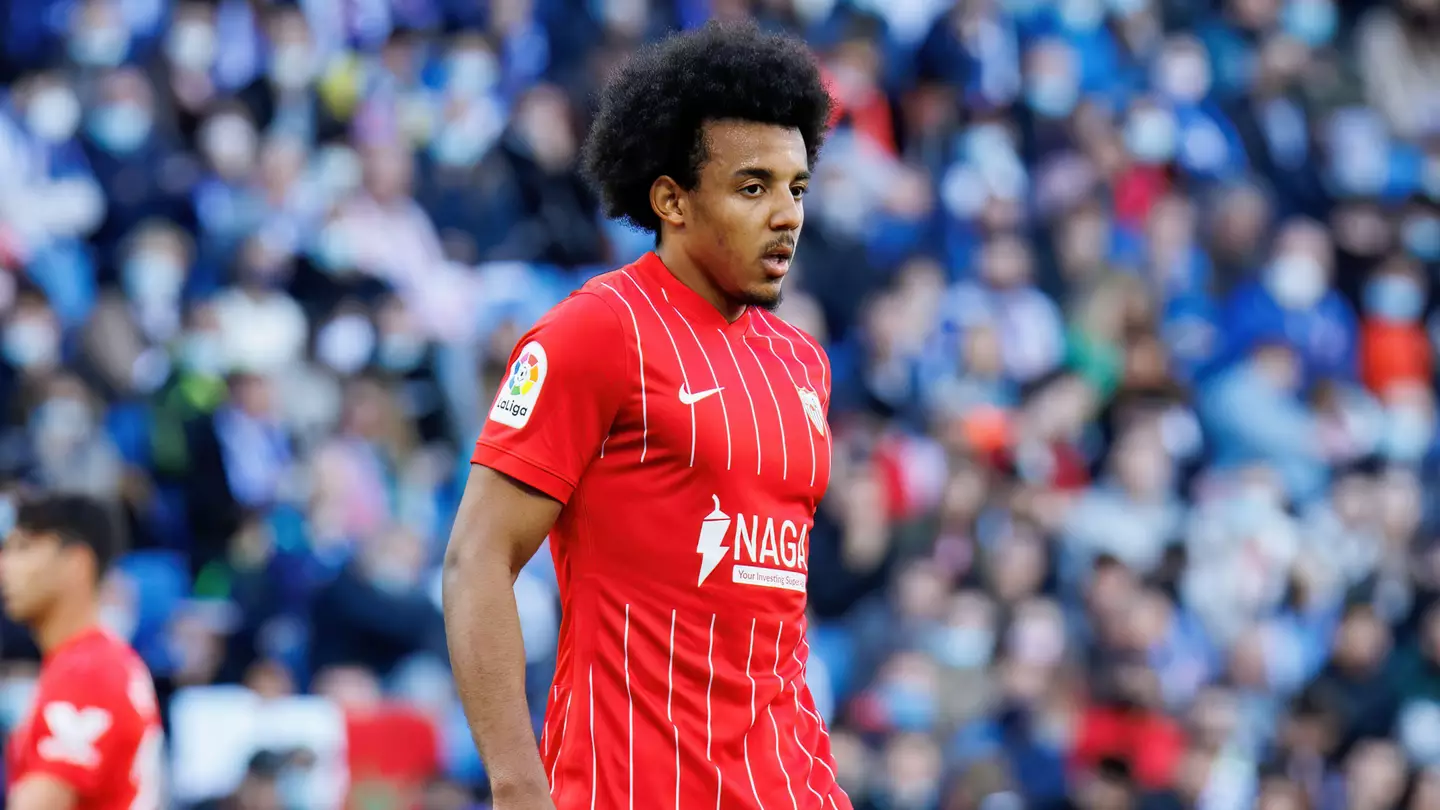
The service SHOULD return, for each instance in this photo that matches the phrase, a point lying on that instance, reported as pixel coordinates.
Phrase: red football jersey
(690, 454)
(94, 725)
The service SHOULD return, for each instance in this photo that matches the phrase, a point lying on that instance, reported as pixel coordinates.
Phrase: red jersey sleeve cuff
(523, 470)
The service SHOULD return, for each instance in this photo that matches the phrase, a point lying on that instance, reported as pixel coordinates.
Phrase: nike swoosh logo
(687, 398)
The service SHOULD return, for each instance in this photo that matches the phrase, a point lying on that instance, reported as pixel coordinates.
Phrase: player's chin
(765, 293)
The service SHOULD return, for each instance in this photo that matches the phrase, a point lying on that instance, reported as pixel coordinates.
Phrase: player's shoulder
(590, 309)
(97, 663)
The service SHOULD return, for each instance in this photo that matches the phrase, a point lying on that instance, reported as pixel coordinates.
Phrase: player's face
(29, 568)
(748, 208)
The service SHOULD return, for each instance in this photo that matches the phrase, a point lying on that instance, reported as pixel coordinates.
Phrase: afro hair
(653, 110)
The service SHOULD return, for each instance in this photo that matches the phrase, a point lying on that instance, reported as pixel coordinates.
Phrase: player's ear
(667, 200)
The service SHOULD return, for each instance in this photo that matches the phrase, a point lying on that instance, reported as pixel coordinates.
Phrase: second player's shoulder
(98, 665)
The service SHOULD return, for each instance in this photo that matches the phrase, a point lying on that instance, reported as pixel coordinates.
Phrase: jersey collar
(685, 300)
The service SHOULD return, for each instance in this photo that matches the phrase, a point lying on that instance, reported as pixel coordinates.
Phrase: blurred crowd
(1129, 304)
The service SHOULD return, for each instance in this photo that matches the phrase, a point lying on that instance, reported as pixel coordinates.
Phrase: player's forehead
(734, 146)
(19, 537)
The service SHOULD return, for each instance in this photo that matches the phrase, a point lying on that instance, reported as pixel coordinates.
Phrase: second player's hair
(653, 111)
(74, 520)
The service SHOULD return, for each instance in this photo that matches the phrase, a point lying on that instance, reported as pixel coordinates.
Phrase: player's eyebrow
(757, 173)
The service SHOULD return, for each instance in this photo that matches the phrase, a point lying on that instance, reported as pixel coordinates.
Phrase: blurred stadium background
(1129, 302)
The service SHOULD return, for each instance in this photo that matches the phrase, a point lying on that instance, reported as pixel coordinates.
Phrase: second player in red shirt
(92, 738)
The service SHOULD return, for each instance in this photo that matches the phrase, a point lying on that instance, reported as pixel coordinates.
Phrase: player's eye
(753, 190)
(798, 192)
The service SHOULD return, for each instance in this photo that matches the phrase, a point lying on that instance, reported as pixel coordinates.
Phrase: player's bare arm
(499, 526)
(41, 792)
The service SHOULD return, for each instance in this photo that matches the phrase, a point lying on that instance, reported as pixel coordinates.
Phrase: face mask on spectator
(1037, 641)
(909, 795)
(292, 66)
(1359, 154)
(229, 142)
(456, 147)
(1183, 77)
(1081, 15)
(1419, 731)
(1297, 281)
(1150, 135)
(1392, 298)
(332, 250)
(100, 46)
(909, 707)
(1253, 505)
(203, 353)
(1408, 435)
(1421, 236)
(472, 72)
(121, 127)
(191, 46)
(346, 343)
(1052, 96)
(62, 420)
(53, 114)
(30, 343)
(961, 647)
(1313, 22)
(401, 352)
(152, 277)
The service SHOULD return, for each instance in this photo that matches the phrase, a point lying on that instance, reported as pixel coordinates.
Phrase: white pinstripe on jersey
(710, 664)
(560, 746)
(809, 435)
(804, 670)
(775, 727)
(770, 322)
(746, 387)
(824, 383)
(669, 695)
(780, 419)
(745, 741)
(594, 773)
(794, 730)
(684, 378)
(644, 406)
(629, 712)
(724, 411)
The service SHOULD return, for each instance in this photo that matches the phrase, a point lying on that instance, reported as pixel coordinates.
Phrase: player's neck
(65, 621)
(690, 274)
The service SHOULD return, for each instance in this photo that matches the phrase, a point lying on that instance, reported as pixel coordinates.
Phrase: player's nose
(788, 214)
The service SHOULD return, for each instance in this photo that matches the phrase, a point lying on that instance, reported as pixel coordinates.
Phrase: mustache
(787, 243)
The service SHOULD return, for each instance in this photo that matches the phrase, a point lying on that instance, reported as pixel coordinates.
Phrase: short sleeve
(83, 721)
(564, 384)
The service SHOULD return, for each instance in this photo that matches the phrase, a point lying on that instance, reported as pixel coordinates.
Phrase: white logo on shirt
(767, 553)
(712, 546)
(521, 388)
(811, 401)
(73, 733)
(687, 398)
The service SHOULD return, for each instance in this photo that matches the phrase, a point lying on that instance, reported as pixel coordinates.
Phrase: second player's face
(749, 208)
(29, 566)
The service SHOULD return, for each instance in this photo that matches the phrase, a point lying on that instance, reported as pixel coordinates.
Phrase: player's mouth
(777, 261)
